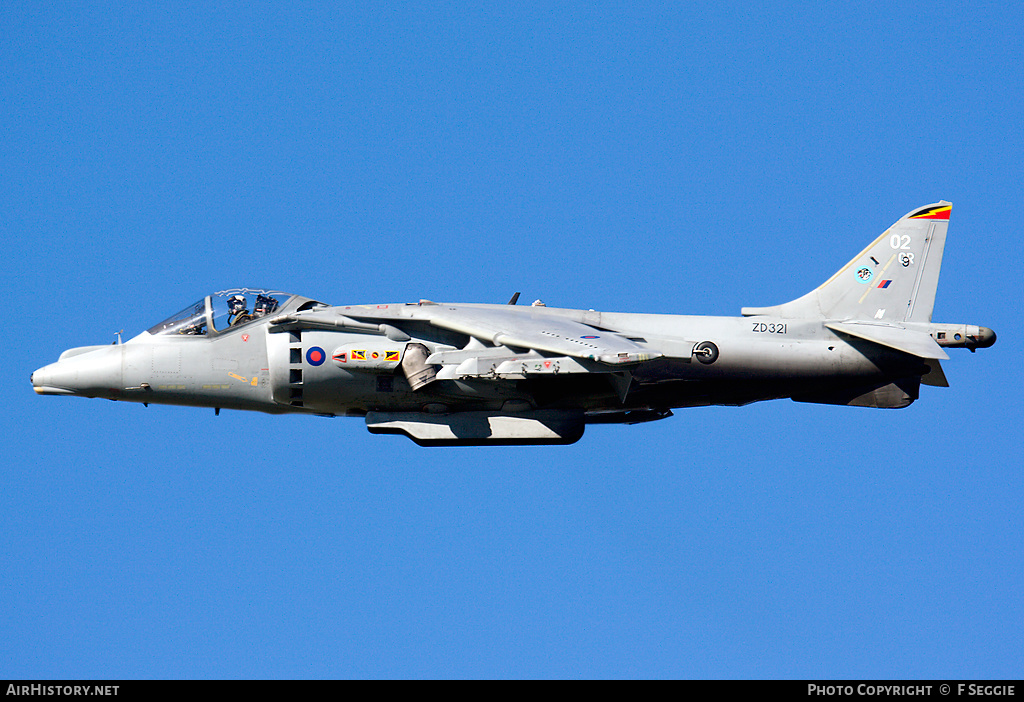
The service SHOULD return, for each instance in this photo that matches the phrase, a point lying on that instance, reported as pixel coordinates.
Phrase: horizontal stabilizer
(915, 343)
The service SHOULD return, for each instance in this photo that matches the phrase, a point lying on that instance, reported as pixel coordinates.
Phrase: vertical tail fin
(893, 280)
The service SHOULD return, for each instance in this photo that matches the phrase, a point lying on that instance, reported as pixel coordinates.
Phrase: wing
(523, 328)
(507, 326)
(525, 341)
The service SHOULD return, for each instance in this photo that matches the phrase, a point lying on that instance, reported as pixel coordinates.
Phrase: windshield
(190, 321)
(222, 310)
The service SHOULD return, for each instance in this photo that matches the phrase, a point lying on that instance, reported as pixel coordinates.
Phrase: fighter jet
(482, 374)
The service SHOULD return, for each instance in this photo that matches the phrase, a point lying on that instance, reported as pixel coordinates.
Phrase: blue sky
(674, 157)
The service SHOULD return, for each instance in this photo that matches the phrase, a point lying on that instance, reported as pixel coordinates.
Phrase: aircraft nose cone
(48, 380)
(56, 379)
(93, 374)
(986, 337)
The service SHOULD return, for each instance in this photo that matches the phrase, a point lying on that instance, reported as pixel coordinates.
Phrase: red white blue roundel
(316, 356)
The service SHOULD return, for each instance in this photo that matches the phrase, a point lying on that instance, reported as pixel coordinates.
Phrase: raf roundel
(316, 356)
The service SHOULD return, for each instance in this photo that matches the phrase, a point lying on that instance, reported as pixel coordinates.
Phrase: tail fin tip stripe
(939, 211)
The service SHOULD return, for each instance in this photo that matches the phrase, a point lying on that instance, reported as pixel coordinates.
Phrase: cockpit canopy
(223, 310)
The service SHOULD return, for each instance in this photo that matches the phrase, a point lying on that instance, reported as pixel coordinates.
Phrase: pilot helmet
(236, 303)
(264, 305)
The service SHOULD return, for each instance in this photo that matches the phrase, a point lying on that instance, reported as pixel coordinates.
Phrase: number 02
(898, 241)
